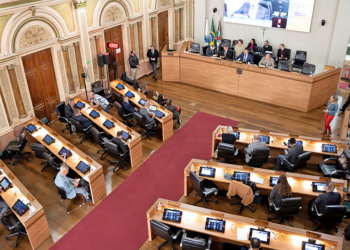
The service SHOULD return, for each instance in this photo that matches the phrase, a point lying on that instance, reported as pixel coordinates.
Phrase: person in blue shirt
(245, 57)
(85, 122)
(330, 111)
(128, 108)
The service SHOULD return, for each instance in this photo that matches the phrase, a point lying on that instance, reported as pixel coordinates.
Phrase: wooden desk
(135, 146)
(273, 86)
(276, 146)
(166, 122)
(94, 177)
(301, 184)
(194, 218)
(34, 220)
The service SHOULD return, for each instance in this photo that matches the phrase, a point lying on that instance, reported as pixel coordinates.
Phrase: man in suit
(291, 155)
(148, 116)
(283, 54)
(69, 185)
(267, 47)
(210, 51)
(255, 244)
(153, 55)
(324, 199)
(245, 57)
(118, 141)
(85, 122)
(255, 144)
(128, 109)
(228, 54)
(267, 61)
(69, 109)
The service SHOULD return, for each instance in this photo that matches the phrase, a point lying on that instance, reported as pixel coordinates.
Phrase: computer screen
(172, 215)
(129, 94)
(20, 208)
(265, 138)
(31, 128)
(273, 181)
(108, 124)
(142, 102)
(79, 105)
(94, 114)
(241, 176)
(83, 167)
(64, 151)
(215, 225)
(264, 236)
(293, 15)
(5, 184)
(207, 171)
(237, 134)
(330, 148)
(125, 135)
(318, 186)
(48, 139)
(310, 246)
(120, 86)
(159, 114)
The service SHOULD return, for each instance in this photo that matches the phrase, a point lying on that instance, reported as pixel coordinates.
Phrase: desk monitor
(273, 181)
(80, 105)
(48, 140)
(108, 124)
(241, 176)
(310, 246)
(5, 184)
(126, 136)
(237, 134)
(120, 86)
(31, 128)
(142, 102)
(83, 167)
(207, 171)
(299, 142)
(318, 187)
(20, 208)
(265, 138)
(129, 94)
(65, 151)
(159, 114)
(215, 225)
(264, 236)
(329, 148)
(94, 114)
(172, 215)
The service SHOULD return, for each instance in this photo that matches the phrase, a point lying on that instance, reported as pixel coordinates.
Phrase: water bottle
(336, 65)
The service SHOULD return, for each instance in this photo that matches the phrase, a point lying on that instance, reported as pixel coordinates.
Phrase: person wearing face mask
(254, 245)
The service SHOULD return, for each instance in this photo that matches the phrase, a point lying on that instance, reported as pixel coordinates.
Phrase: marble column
(16, 91)
(181, 21)
(140, 40)
(79, 63)
(5, 106)
(176, 25)
(132, 36)
(98, 43)
(68, 69)
(154, 31)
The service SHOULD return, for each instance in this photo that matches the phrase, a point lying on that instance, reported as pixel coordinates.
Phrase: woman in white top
(239, 48)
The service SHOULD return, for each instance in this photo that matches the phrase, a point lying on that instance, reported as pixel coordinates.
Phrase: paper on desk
(242, 234)
(256, 179)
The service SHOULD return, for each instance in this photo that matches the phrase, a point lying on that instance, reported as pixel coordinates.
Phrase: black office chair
(195, 241)
(100, 139)
(39, 150)
(227, 151)
(259, 156)
(97, 88)
(128, 118)
(339, 168)
(149, 127)
(14, 226)
(15, 147)
(169, 233)
(308, 69)
(301, 162)
(255, 191)
(233, 54)
(267, 5)
(234, 43)
(300, 59)
(284, 65)
(221, 46)
(126, 79)
(204, 49)
(53, 162)
(332, 215)
(289, 207)
(80, 128)
(204, 188)
(63, 195)
(113, 151)
(118, 97)
(60, 110)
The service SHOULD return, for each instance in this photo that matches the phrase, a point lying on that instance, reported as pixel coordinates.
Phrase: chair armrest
(177, 234)
(287, 164)
(275, 207)
(128, 116)
(184, 235)
(88, 128)
(209, 243)
(330, 159)
(15, 225)
(122, 155)
(337, 173)
(315, 209)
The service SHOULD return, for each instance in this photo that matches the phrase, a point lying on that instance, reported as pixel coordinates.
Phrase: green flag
(212, 34)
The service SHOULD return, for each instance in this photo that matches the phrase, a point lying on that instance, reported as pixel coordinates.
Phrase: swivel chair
(52, 162)
(114, 151)
(80, 128)
(289, 207)
(14, 226)
(308, 69)
(301, 162)
(128, 118)
(204, 188)
(39, 149)
(97, 88)
(259, 156)
(227, 151)
(98, 137)
(300, 59)
(149, 127)
(284, 65)
(118, 97)
(255, 191)
(339, 168)
(60, 110)
(169, 233)
(195, 241)
(204, 50)
(15, 147)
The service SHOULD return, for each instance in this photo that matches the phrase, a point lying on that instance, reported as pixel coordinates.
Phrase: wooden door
(42, 84)
(163, 37)
(115, 35)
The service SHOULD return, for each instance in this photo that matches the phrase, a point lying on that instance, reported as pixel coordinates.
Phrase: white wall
(319, 42)
(200, 16)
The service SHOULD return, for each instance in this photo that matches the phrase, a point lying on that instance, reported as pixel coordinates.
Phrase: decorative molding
(79, 5)
(74, 67)
(66, 47)
(153, 18)
(66, 12)
(76, 44)
(63, 71)
(11, 66)
(35, 34)
(11, 3)
(94, 58)
(98, 37)
(69, 39)
(22, 88)
(11, 105)
(161, 3)
(3, 119)
(112, 13)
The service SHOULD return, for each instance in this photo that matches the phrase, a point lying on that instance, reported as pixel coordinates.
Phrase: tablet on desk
(108, 124)
(20, 208)
(207, 171)
(126, 136)
(329, 148)
(299, 142)
(142, 102)
(5, 184)
(318, 187)
(263, 236)
(120, 86)
(241, 176)
(159, 114)
(215, 225)
(265, 138)
(65, 152)
(83, 167)
(273, 181)
(80, 105)
(237, 134)
(94, 114)
(310, 246)
(172, 215)
(31, 128)
(129, 94)
(48, 140)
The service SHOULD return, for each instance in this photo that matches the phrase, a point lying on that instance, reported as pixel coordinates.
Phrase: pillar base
(23, 116)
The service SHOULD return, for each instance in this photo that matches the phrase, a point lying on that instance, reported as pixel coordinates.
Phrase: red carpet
(343, 85)
(120, 222)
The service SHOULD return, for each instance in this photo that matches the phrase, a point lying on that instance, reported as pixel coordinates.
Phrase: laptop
(318, 187)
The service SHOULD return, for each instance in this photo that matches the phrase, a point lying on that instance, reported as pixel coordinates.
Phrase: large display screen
(283, 14)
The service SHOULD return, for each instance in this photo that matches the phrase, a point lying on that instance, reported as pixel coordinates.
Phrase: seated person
(245, 57)
(267, 62)
(239, 48)
(282, 54)
(147, 115)
(279, 191)
(228, 136)
(69, 109)
(252, 44)
(152, 95)
(161, 99)
(211, 51)
(85, 122)
(254, 244)
(144, 88)
(227, 53)
(4, 208)
(291, 155)
(267, 47)
(128, 108)
(119, 142)
(255, 144)
(69, 185)
(174, 109)
(327, 198)
(99, 101)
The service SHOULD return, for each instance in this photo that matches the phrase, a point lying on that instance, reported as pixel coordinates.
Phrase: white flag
(206, 35)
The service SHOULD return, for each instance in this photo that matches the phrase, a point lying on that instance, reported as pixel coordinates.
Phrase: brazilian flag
(212, 34)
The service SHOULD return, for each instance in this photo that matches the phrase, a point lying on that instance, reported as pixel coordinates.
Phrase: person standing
(153, 55)
(330, 111)
(134, 65)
